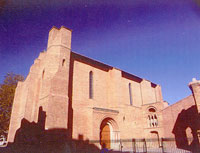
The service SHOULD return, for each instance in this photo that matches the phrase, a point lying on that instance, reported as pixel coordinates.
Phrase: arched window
(152, 110)
(189, 135)
(149, 121)
(152, 117)
(155, 120)
(130, 94)
(91, 85)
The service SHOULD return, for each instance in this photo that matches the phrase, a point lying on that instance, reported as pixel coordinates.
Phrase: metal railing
(163, 145)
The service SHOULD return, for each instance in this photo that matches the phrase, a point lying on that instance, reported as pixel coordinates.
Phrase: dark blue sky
(153, 39)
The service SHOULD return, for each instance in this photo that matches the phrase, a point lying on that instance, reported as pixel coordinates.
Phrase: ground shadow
(186, 129)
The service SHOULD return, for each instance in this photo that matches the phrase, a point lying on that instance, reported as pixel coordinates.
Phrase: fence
(163, 145)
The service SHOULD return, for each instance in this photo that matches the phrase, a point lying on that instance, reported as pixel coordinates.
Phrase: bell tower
(57, 71)
(46, 86)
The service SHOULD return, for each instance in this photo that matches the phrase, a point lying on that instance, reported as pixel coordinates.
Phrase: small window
(152, 110)
(91, 85)
(43, 74)
(63, 62)
(130, 94)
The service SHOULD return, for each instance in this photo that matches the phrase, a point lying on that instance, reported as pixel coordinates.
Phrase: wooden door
(105, 136)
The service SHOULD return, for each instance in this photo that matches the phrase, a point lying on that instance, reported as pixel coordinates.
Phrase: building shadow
(186, 129)
(33, 138)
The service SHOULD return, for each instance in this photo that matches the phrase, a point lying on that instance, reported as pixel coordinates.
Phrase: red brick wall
(171, 113)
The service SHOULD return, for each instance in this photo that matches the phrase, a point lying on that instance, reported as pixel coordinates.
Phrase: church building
(95, 100)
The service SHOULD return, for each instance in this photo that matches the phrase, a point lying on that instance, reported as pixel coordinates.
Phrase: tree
(7, 92)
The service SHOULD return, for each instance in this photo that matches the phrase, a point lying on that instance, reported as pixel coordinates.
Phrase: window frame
(130, 94)
(91, 94)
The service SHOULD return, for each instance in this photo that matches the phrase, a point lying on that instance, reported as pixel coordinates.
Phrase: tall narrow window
(91, 85)
(130, 94)
(63, 62)
(43, 74)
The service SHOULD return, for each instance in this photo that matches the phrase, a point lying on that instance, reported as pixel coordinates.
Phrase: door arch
(108, 133)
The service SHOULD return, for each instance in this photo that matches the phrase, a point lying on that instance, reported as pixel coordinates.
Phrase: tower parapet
(60, 37)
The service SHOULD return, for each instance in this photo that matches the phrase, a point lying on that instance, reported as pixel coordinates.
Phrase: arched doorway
(155, 138)
(109, 133)
(105, 136)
